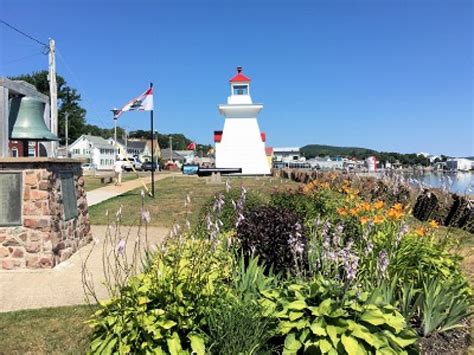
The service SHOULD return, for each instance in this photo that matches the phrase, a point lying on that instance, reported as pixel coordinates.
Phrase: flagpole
(152, 135)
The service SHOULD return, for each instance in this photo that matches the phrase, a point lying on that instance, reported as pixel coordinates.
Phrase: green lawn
(59, 330)
(168, 206)
(93, 182)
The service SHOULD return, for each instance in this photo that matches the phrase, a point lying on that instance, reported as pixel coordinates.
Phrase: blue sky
(387, 75)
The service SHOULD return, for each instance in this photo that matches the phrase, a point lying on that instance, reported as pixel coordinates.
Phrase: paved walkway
(62, 285)
(104, 193)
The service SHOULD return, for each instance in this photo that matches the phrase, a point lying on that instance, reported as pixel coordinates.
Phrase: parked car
(148, 165)
(132, 161)
(88, 166)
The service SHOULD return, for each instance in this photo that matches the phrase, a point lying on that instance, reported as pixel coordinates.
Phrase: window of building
(240, 90)
(101, 161)
(14, 152)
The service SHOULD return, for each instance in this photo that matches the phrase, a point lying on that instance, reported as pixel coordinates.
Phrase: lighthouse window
(240, 90)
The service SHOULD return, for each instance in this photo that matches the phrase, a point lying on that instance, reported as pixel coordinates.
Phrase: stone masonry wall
(44, 239)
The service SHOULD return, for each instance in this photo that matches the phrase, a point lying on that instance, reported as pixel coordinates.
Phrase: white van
(132, 161)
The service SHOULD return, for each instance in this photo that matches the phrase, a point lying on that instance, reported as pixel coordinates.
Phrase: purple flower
(120, 246)
(118, 214)
(296, 245)
(218, 203)
(208, 222)
(336, 239)
(382, 263)
(369, 247)
(403, 231)
(146, 217)
(350, 262)
(240, 219)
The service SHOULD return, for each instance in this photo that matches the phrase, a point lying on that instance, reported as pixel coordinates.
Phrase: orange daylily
(341, 211)
(396, 211)
(378, 219)
(398, 207)
(433, 224)
(354, 211)
(420, 231)
(379, 204)
(366, 206)
(363, 220)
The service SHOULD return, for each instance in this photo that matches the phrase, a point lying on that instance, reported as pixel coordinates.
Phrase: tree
(68, 102)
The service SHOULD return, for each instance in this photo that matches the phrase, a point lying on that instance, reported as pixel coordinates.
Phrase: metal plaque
(10, 199)
(69, 196)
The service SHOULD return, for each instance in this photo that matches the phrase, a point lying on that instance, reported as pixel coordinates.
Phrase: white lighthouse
(241, 144)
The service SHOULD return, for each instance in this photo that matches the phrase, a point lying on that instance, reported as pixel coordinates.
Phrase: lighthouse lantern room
(241, 144)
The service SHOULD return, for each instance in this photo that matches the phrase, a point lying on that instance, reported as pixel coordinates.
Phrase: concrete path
(62, 285)
(104, 193)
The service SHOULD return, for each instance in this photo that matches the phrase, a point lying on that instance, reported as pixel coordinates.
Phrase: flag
(144, 102)
(191, 146)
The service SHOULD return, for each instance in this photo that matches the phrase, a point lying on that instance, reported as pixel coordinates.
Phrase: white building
(188, 155)
(460, 164)
(241, 144)
(138, 148)
(326, 163)
(287, 154)
(371, 163)
(95, 150)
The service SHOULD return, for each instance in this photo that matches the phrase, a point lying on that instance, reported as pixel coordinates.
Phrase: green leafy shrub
(163, 309)
(318, 317)
(276, 236)
(237, 326)
(309, 206)
(250, 278)
(443, 305)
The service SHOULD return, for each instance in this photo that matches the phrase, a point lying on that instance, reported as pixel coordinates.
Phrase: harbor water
(461, 183)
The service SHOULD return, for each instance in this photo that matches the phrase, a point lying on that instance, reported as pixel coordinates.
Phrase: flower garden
(319, 269)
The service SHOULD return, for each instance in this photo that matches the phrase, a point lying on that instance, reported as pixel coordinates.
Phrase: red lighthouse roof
(239, 76)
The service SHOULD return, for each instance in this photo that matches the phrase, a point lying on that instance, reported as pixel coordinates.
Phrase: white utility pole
(53, 92)
(171, 148)
(115, 136)
(66, 116)
(126, 141)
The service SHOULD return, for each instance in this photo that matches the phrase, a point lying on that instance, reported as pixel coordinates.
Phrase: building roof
(184, 152)
(132, 144)
(286, 149)
(239, 77)
(166, 155)
(97, 141)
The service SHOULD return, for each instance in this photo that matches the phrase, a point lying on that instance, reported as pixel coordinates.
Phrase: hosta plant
(163, 309)
(319, 317)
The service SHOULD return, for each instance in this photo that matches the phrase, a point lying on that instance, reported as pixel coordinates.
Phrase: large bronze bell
(27, 120)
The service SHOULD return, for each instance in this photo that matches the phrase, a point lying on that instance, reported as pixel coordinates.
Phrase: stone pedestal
(45, 235)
